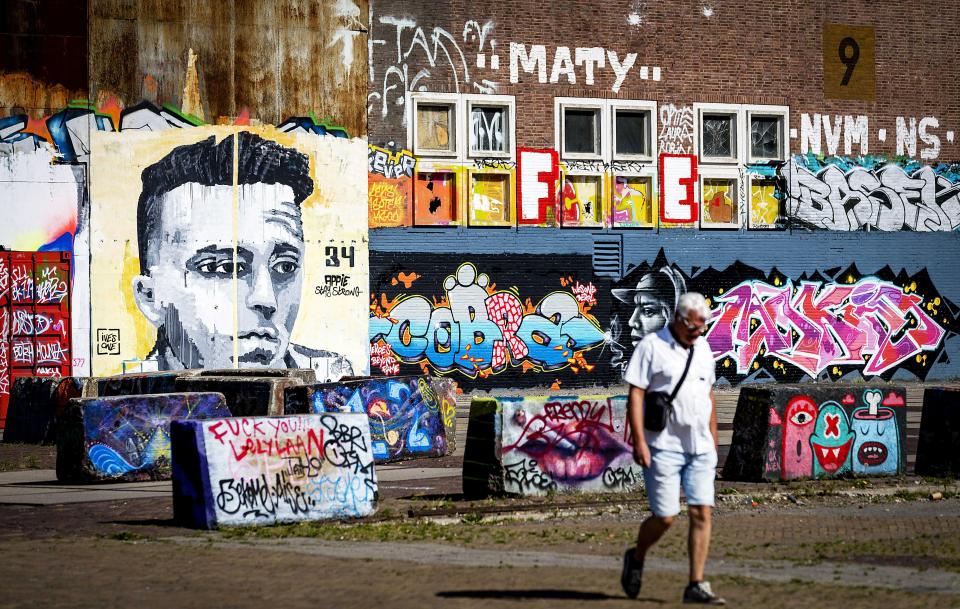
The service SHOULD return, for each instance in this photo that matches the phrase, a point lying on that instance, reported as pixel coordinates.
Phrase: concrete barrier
(306, 375)
(264, 470)
(410, 417)
(38, 402)
(126, 437)
(938, 448)
(788, 432)
(144, 383)
(247, 396)
(537, 445)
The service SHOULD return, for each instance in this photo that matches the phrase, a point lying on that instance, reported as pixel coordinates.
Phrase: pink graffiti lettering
(585, 293)
(871, 323)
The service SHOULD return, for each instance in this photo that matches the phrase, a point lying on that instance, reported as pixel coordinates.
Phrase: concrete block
(143, 383)
(247, 396)
(788, 432)
(264, 470)
(560, 443)
(938, 448)
(306, 375)
(410, 417)
(38, 402)
(126, 437)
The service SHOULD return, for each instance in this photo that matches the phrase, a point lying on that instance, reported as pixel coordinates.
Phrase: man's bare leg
(698, 543)
(650, 532)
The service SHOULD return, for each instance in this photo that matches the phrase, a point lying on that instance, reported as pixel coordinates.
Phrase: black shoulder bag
(657, 404)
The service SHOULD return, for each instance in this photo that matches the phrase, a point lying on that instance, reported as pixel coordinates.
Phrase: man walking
(674, 363)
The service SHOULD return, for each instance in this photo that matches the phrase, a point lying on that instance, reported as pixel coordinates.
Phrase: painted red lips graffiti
(571, 444)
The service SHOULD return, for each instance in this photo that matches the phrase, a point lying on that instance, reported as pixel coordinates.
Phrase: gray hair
(693, 302)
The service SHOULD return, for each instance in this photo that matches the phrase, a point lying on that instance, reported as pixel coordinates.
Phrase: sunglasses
(692, 326)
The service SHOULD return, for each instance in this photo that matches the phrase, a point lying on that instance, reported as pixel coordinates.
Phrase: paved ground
(847, 544)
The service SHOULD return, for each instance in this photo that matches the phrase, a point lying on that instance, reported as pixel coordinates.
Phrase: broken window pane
(765, 137)
(488, 129)
(718, 136)
(581, 130)
(435, 127)
(632, 129)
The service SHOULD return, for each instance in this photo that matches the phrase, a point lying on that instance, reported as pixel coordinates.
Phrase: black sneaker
(700, 592)
(632, 576)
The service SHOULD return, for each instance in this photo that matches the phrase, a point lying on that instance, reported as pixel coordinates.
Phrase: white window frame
(511, 203)
(734, 110)
(580, 173)
(508, 102)
(607, 143)
(721, 173)
(649, 173)
(582, 103)
(650, 108)
(780, 112)
(414, 100)
(748, 194)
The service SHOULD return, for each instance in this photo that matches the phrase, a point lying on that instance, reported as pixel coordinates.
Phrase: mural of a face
(831, 441)
(654, 299)
(189, 288)
(798, 423)
(651, 314)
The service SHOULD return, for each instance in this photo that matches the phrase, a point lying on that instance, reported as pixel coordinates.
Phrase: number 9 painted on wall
(849, 62)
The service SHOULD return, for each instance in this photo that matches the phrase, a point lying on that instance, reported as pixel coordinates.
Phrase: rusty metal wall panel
(272, 59)
(43, 54)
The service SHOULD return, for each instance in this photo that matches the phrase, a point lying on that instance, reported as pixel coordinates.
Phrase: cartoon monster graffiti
(876, 450)
(831, 441)
(798, 427)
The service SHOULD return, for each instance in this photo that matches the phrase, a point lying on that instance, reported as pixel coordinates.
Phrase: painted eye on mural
(801, 418)
(285, 266)
(220, 267)
(650, 311)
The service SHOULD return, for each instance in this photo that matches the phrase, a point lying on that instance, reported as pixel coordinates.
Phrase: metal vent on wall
(607, 255)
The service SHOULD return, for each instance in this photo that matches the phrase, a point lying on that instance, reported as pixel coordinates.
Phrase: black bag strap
(683, 376)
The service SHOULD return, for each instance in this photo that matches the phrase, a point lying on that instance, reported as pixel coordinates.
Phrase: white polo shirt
(656, 365)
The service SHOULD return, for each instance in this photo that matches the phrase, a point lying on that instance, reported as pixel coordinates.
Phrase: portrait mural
(223, 247)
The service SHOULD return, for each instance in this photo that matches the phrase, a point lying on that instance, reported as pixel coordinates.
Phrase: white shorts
(669, 469)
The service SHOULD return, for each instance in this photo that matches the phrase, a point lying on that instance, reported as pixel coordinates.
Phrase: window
(767, 142)
(447, 131)
(582, 201)
(718, 137)
(435, 127)
(631, 133)
(764, 211)
(581, 132)
(735, 144)
(489, 130)
(633, 202)
(720, 207)
(435, 198)
(490, 200)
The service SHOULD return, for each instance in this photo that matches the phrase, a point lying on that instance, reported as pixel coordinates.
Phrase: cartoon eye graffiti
(801, 418)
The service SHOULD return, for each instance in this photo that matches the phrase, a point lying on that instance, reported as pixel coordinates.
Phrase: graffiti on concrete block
(129, 437)
(860, 433)
(567, 443)
(767, 326)
(872, 193)
(410, 417)
(476, 329)
(265, 470)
